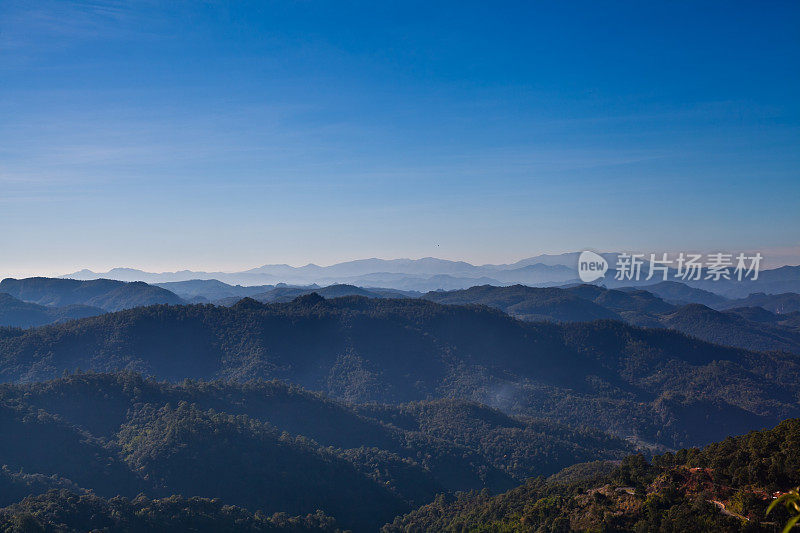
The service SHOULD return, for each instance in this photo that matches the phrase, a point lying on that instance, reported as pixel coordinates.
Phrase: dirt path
(726, 511)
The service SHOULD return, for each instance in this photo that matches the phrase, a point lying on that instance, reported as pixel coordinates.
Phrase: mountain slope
(103, 293)
(582, 303)
(725, 487)
(522, 446)
(776, 303)
(635, 306)
(192, 452)
(640, 382)
(69, 512)
(527, 303)
(16, 313)
(287, 294)
(421, 429)
(756, 314)
(731, 329)
(210, 290)
(269, 446)
(785, 279)
(681, 294)
(39, 443)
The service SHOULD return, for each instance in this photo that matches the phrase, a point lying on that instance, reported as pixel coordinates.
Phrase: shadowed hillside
(103, 293)
(725, 487)
(583, 303)
(16, 313)
(649, 384)
(269, 446)
(67, 511)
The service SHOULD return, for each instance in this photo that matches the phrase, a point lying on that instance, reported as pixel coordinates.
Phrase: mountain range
(649, 385)
(106, 294)
(745, 323)
(286, 408)
(738, 324)
(406, 274)
(429, 273)
(19, 314)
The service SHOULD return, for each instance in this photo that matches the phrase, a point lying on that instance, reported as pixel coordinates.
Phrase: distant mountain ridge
(431, 273)
(681, 294)
(106, 294)
(210, 290)
(742, 327)
(739, 326)
(776, 303)
(19, 314)
(406, 274)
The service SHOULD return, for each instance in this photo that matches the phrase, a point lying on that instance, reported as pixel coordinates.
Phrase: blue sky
(222, 136)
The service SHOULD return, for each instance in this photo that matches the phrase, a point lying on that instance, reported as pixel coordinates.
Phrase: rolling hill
(287, 294)
(68, 511)
(678, 293)
(106, 294)
(528, 303)
(268, 446)
(724, 487)
(646, 384)
(776, 303)
(210, 290)
(751, 330)
(19, 314)
(732, 328)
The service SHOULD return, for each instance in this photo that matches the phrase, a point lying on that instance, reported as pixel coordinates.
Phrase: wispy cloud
(32, 27)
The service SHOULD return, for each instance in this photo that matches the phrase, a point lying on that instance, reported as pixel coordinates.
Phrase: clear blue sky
(167, 135)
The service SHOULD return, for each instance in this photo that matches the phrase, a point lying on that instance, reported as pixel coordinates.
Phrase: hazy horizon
(782, 257)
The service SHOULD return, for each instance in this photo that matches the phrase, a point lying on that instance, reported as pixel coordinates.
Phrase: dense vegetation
(737, 327)
(19, 314)
(651, 385)
(726, 486)
(678, 293)
(785, 303)
(435, 405)
(268, 446)
(66, 511)
(785, 279)
(765, 331)
(528, 303)
(666, 304)
(121, 452)
(105, 294)
(210, 290)
(287, 294)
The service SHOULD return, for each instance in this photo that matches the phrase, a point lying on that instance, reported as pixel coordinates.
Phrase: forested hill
(16, 313)
(725, 487)
(263, 446)
(109, 295)
(63, 511)
(654, 385)
(135, 454)
(584, 303)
